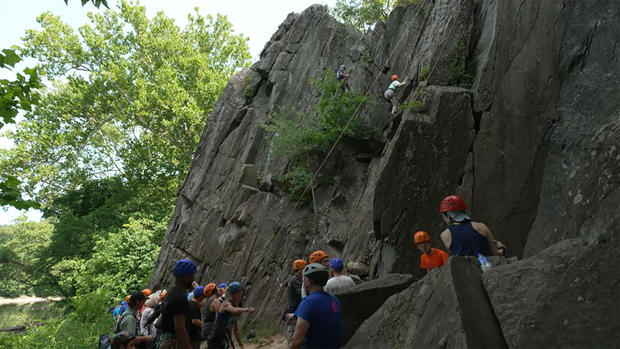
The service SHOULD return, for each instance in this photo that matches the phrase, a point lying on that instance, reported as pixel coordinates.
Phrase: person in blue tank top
(319, 315)
(464, 237)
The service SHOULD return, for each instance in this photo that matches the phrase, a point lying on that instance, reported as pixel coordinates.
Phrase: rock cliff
(520, 116)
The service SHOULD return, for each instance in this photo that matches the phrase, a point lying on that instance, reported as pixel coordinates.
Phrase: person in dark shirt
(463, 236)
(225, 323)
(209, 309)
(294, 297)
(194, 309)
(175, 315)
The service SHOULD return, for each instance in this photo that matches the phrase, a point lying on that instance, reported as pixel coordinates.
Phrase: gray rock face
(565, 297)
(446, 309)
(372, 295)
(532, 146)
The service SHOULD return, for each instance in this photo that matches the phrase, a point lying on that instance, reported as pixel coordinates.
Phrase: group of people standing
(207, 316)
(177, 319)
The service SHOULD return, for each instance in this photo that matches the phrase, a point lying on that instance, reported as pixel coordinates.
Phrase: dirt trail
(276, 342)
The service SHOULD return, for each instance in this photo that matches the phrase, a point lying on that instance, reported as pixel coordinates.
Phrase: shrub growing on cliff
(298, 136)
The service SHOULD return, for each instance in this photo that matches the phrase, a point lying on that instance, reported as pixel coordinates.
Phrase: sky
(257, 20)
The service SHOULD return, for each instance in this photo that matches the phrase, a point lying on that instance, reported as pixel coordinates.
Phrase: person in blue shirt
(319, 315)
(342, 76)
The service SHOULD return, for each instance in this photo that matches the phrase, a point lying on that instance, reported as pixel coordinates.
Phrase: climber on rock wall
(319, 316)
(225, 323)
(319, 257)
(294, 298)
(431, 257)
(390, 93)
(342, 76)
(338, 281)
(464, 237)
(175, 315)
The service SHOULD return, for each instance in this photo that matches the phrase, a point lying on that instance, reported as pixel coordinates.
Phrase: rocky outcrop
(565, 296)
(372, 295)
(446, 309)
(529, 137)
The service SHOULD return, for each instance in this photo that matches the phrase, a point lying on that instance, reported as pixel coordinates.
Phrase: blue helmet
(336, 264)
(342, 66)
(222, 285)
(234, 287)
(184, 267)
(199, 291)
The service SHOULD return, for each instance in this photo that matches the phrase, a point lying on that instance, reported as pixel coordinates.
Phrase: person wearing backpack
(128, 324)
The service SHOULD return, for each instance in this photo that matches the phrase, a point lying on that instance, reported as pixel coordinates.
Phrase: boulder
(564, 297)
(360, 302)
(448, 308)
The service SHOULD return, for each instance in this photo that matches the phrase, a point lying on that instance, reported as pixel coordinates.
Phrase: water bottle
(484, 262)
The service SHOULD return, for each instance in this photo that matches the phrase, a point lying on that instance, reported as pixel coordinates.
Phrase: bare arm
(301, 328)
(229, 308)
(446, 237)
(197, 322)
(486, 232)
(181, 332)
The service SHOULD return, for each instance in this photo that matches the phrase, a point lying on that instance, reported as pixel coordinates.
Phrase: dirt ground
(276, 342)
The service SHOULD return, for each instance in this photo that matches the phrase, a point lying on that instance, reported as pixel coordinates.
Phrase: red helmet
(420, 237)
(394, 77)
(452, 203)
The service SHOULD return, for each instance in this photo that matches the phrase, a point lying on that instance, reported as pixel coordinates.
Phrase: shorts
(388, 94)
(168, 342)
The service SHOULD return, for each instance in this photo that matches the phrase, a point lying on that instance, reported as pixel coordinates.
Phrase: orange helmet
(420, 237)
(299, 264)
(394, 77)
(127, 298)
(146, 292)
(208, 292)
(163, 294)
(316, 256)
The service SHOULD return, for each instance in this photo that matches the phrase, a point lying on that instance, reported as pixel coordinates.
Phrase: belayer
(463, 237)
(225, 324)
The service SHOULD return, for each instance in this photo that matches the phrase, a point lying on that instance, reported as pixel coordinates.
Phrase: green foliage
(460, 76)
(417, 103)
(130, 97)
(297, 135)
(122, 262)
(19, 94)
(97, 3)
(425, 71)
(363, 14)
(10, 193)
(85, 320)
(21, 261)
(298, 179)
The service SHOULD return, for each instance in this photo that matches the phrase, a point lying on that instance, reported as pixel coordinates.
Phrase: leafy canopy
(129, 98)
(363, 14)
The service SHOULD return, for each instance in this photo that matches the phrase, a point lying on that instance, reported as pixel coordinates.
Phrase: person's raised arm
(301, 328)
(180, 332)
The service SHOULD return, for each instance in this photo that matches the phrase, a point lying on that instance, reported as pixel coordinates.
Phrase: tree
(21, 245)
(129, 98)
(97, 3)
(363, 14)
(16, 95)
